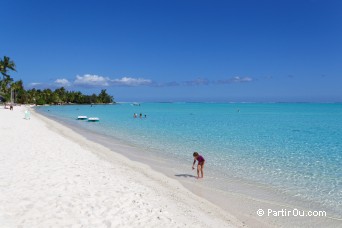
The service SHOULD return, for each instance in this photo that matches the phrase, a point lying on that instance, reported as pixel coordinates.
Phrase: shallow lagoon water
(292, 148)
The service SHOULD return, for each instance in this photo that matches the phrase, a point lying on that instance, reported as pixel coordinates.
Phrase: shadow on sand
(185, 175)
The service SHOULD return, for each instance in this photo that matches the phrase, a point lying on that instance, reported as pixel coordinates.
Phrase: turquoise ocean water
(293, 147)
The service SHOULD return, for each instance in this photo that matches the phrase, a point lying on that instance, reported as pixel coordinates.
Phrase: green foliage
(61, 96)
(40, 101)
(104, 97)
(46, 96)
(5, 65)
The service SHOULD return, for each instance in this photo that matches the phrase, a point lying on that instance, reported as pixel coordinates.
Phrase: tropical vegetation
(45, 96)
(5, 65)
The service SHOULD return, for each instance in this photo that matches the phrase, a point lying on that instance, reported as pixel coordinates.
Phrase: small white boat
(93, 119)
(82, 117)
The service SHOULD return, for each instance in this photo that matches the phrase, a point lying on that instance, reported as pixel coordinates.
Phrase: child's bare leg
(199, 171)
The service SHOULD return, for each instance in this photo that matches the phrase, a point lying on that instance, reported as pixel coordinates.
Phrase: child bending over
(200, 164)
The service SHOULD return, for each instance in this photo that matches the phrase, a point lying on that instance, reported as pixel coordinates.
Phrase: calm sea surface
(293, 147)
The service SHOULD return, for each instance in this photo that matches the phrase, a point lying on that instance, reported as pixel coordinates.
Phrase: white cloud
(62, 82)
(91, 80)
(96, 80)
(242, 79)
(236, 79)
(35, 83)
(127, 81)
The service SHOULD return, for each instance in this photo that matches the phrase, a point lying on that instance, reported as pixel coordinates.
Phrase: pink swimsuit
(200, 160)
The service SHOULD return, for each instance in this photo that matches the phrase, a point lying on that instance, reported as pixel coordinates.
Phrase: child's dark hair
(195, 154)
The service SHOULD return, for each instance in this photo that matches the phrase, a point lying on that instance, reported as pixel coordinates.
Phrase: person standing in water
(200, 164)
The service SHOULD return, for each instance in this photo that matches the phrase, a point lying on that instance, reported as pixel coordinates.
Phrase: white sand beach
(51, 176)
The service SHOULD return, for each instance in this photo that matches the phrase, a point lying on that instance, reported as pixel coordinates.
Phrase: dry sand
(51, 176)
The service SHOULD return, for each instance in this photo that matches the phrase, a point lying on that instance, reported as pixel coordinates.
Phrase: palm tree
(5, 85)
(103, 97)
(32, 96)
(47, 93)
(5, 65)
(62, 94)
(19, 91)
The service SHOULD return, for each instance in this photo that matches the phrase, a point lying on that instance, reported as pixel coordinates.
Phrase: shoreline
(242, 202)
(63, 179)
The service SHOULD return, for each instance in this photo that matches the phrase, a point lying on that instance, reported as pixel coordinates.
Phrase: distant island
(14, 91)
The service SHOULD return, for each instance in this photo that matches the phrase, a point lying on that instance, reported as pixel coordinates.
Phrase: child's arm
(193, 164)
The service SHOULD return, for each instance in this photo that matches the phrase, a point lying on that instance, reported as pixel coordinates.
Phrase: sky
(212, 51)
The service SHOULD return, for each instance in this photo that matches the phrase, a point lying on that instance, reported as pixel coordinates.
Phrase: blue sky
(185, 50)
